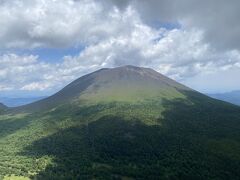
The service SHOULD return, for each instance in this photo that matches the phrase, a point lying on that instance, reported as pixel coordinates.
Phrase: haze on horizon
(46, 44)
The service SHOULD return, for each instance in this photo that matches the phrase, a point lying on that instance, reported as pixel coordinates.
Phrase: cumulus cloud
(177, 53)
(115, 33)
(54, 23)
(17, 71)
(218, 19)
(60, 23)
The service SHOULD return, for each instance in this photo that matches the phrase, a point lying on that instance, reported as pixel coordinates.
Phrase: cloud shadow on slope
(9, 125)
(112, 147)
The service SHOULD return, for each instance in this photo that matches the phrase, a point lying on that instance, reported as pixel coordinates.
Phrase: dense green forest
(166, 139)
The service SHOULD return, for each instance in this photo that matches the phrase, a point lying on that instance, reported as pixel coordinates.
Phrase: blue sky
(44, 45)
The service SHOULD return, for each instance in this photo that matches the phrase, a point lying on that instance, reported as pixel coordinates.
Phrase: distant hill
(122, 123)
(2, 106)
(231, 97)
(13, 102)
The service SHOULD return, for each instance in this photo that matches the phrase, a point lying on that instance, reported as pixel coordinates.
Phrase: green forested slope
(173, 134)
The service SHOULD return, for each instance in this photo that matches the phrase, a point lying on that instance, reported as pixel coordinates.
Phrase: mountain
(18, 101)
(123, 84)
(231, 97)
(122, 123)
(2, 106)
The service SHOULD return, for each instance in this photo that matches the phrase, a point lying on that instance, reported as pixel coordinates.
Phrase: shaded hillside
(122, 123)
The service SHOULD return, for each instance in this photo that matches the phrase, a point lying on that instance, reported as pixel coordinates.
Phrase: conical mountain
(124, 84)
(122, 123)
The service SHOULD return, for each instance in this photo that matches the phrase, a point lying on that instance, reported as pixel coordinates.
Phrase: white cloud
(178, 53)
(218, 19)
(17, 71)
(111, 36)
(49, 23)
(36, 86)
(60, 23)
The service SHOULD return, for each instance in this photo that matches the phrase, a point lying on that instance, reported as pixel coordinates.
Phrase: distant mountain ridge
(231, 97)
(2, 106)
(19, 101)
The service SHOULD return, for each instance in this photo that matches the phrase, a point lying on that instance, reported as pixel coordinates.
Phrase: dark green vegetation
(124, 123)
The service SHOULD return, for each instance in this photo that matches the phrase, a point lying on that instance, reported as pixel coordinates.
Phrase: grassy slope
(188, 136)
